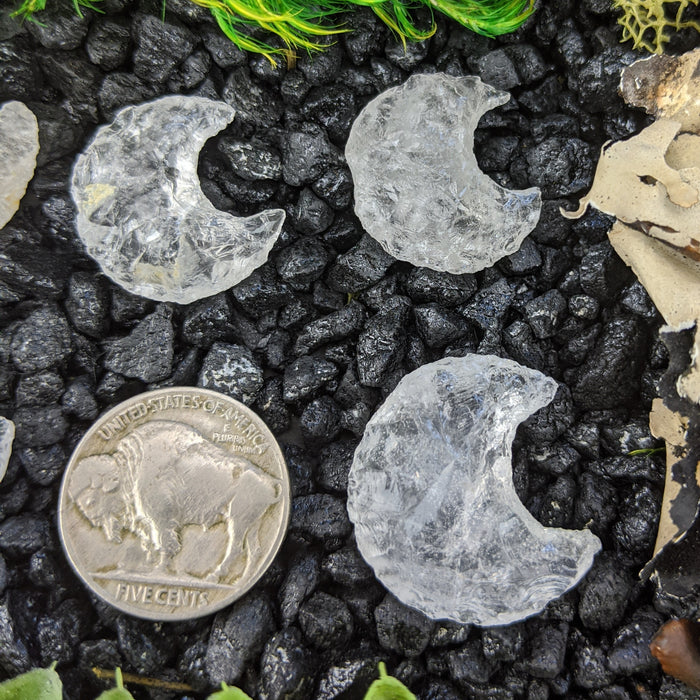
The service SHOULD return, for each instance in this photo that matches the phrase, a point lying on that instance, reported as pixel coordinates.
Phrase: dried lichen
(648, 22)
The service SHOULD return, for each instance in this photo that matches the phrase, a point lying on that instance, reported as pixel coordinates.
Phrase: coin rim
(189, 614)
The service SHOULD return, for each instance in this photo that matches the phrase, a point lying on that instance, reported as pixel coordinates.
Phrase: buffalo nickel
(174, 503)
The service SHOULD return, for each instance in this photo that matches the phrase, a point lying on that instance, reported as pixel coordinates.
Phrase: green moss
(299, 24)
(647, 22)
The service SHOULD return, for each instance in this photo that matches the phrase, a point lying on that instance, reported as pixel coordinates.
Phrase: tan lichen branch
(645, 22)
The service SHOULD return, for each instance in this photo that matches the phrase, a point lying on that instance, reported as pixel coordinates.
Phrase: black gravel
(315, 339)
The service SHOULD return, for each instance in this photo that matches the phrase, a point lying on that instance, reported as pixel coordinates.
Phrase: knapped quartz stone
(418, 187)
(431, 494)
(19, 145)
(7, 435)
(143, 216)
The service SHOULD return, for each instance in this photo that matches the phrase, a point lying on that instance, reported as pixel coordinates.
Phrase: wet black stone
(335, 187)
(208, 320)
(363, 265)
(306, 155)
(547, 649)
(306, 376)
(311, 214)
(438, 326)
(583, 306)
(224, 52)
(192, 72)
(320, 421)
(60, 27)
(336, 326)
(596, 504)
(560, 166)
(604, 594)
(147, 352)
(468, 664)
(320, 68)
(630, 648)
(326, 621)
(251, 160)
(302, 262)
(28, 269)
(261, 292)
(34, 389)
(545, 313)
(382, 344)
(77, 79)
(108, 44)
(598, 79)
(231, 370)
(79, 400)
(121, 89)
(43, 465)
(21, 535)
(522, 346)
(527, 259)
(303, 576)
(589, 666)
(271, 407)
(488, 306)
(42, 340)
(147, 648)
(636, 300)
(347, 567)
(347, 679)
(255, 105)
(602, 273)
(502, 643)
(333, 107)
(237, 637)
(496, 68)
(160, 46)
(127, 309)
(322, 517)
(551, 422)
(635, 531)
(610, 374)
(20, 76)
(424, 285)
(88, 304)
(14, 657)
(39, 426)
(558, 502)
(60, 632)
(334, 465)
(401, 629)
(287, 668)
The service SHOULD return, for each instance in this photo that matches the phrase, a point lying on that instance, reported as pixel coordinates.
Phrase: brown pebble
(677, 647)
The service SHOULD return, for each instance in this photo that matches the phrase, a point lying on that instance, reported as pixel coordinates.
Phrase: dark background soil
(303, 330)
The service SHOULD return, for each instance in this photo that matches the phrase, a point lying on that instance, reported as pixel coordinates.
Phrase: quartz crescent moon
(418, 187)
(142, 213)
(431, 494)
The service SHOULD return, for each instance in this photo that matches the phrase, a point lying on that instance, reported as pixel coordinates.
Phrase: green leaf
(118, 693)
(228, 693)
(387, 687)
(39, 684)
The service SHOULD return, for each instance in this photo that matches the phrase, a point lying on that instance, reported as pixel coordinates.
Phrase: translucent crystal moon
(143, 216)
(418, 187)
(432, 498)
(19, 145)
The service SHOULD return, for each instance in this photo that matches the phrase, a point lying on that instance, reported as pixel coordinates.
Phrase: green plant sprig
(303, 25)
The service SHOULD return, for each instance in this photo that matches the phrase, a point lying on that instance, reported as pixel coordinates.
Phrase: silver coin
(174, 503)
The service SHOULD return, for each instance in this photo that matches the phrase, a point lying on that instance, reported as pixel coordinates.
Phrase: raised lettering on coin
(174, 503)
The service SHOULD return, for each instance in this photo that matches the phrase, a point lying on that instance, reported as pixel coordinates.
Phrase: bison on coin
(166, 475)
